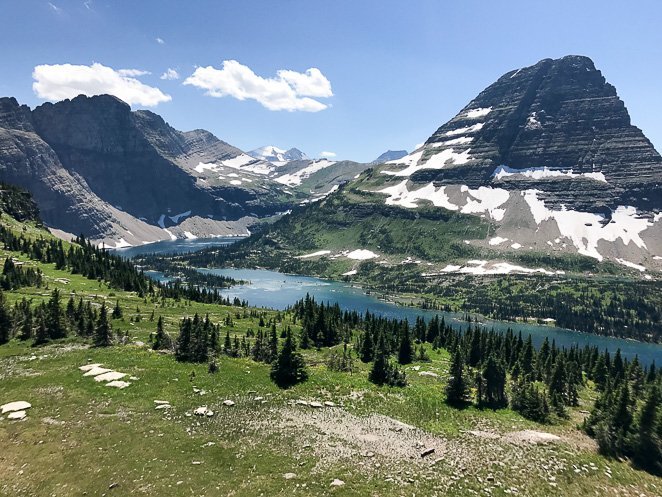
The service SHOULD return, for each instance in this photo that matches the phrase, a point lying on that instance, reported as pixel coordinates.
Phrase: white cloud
(160, 41)
(330, 155)
(170, 74)
(60, 81)
(132, 73)
(55, 7)
(289, 90)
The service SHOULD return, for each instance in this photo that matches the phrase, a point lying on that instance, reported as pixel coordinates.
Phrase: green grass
(81, 436)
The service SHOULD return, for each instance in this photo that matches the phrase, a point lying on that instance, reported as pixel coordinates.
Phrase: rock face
(548, 153)
(97, 168)
(557, 115)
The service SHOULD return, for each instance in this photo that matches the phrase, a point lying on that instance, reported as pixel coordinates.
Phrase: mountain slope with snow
(546, 156)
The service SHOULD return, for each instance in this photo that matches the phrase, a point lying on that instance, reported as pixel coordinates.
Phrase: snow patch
(487, 200)
(361, 255)
(497, 240)
(122, 243)
(437, 161)
(468, 129)
(483, 199)
(296, 178)
(175, 219)
(544, 172)
(350, 273)
(480, 112)
(314, 254)
(480, 267)
(200, 168)
(631, 265)
(586, 229)
(462, 140)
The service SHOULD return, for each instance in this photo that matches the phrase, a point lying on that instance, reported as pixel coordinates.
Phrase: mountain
(389, 155)
(548, 154)
(277, 155)
(541, 172)
(124, 178)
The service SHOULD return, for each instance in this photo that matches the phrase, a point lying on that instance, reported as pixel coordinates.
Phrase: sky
(346, 79)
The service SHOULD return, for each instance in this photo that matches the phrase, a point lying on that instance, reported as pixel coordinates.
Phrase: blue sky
(389, 72)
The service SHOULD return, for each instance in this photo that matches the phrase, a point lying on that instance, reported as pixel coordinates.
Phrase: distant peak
(272, 153)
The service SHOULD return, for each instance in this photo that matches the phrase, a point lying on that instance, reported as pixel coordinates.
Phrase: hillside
(335, 433)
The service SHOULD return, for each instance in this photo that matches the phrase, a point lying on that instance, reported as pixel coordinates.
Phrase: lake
(277, 291)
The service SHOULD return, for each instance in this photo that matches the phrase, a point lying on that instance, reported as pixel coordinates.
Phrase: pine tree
(494, 374)
(456, 389)
(405, 350)
(557, 386)
(117, 311)
(367, 352)
(54, 322)
(41, 333)
(103, 333)
(162, 340)
(379, 371)
(183, 343)
(289, 367)
(647, 446)
(272, 352)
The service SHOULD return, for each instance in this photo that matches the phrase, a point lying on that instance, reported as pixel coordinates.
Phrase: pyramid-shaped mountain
(557, 119)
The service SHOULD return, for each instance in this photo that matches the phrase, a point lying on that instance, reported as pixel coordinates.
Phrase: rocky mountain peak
(558, 114)
(13, 115)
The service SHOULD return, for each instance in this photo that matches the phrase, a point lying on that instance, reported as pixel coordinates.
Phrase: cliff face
(549, 155)
(557, 114)
(95, 167)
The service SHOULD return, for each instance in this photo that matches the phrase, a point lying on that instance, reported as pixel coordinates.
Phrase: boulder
(19, 405)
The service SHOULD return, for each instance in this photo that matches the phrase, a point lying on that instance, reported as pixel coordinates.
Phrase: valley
(314, 249)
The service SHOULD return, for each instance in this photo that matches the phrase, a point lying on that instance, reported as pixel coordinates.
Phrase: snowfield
(468, 129)
(544, 172)
(480, 112)
(314, 254)
(437, 161)
(361, 255)
(296, 178)
(586, 229)
(485, 267)
(482, 200)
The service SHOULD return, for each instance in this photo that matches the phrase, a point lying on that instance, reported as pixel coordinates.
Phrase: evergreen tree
(405, 350)
(647, 446)
(289, 367)
(117, 311)
(367, 352)
(456, 389)
(54, 321)
(41, 333)
(494, 374)
(103, 333)
(382, 371)
(162, 340)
